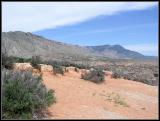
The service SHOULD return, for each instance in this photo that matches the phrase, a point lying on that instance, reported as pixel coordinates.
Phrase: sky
(134, 25)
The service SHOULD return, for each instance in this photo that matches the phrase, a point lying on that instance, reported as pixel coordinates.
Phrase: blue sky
(132, 25)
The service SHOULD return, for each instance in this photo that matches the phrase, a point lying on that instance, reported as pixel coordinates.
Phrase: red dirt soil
(80, 99)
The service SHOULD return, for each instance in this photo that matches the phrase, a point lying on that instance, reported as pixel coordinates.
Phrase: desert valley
(80, 60)
(129, 89)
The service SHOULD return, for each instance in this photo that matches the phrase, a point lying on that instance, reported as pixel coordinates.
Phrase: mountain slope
(25, 45)
(116, 50)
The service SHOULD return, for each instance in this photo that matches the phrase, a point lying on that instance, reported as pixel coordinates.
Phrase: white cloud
(146, 49)
(34, 16)
(112, 29)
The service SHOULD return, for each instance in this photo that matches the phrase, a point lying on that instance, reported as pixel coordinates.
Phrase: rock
(87, 71)
(22, 66)
(107, 73)
(36, 72)
(92, 69)
(64, 68)
(71, 68)
(76, 69)
(83, 71)
(45, 68)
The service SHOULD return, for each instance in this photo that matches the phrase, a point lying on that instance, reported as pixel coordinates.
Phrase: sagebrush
(35, 60)
(23, 95)
(96, 75)
(7, 61)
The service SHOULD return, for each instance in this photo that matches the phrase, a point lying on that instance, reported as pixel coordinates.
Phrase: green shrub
(67, 64)
(22, 60)
(118, 73)
(28, 60)
(7, 61)
(82, 66)
(58, 69)
(115, 75)
(101, 67)
(96, 76)
(35, 60)
(23, 94)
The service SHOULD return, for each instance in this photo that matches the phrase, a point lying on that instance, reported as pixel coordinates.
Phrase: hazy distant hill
(23, 44)
(115, 51)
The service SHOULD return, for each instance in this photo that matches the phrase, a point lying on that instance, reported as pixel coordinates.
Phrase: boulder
(87, 71)
(23, 66)
(36, 72)
(77, 69)
(83, 71)
(108, 73)
(71, 68)
(92, 69)
(63, 68)
(45, 68)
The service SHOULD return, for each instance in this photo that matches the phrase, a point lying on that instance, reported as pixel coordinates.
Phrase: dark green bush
(118, 73)
(58, 69)
(96, 76)
(7, 61)
(28, 60)
(35, 60)
(57, 66)
(81, 66)
(23, 94)
(67, 64)
(21, 60)
(115, 75)
(102, 67)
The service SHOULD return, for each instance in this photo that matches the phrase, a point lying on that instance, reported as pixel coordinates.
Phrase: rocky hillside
(25, 45)
(115, 51)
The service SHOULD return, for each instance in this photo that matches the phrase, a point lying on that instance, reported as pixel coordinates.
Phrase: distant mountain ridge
(23, 44)
(118, 50)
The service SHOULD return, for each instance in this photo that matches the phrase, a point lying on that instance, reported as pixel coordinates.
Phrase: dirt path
(80, 99)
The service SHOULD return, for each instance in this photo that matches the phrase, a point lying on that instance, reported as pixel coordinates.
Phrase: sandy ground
(80, 99)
